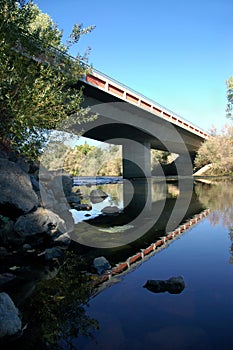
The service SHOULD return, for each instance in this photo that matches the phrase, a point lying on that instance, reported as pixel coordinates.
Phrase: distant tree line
(83, 160)
(86, 160)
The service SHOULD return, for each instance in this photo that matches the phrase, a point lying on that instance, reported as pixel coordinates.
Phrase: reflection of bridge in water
(133, 261)
(143, 221)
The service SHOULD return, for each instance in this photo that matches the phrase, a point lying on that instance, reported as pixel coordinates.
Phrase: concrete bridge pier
(184, 164)
(136, 159)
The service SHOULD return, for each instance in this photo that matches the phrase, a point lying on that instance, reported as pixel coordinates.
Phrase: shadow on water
(145, 218)
(56, 313)
(198, 318)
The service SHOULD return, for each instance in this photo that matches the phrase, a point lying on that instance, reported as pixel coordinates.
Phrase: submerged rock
(173, 285)
(97, 196)
(101, 265)
(110, 210)
(54, 253)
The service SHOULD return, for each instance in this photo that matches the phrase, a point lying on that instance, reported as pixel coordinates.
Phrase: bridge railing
(102, 81)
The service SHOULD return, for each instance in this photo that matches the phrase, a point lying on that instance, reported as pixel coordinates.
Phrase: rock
(53, 253)
(35, 184)
(73, 199)
(6, 228)
(67, 217)
(47, 199)
(17, 195)
(97, 196)
(3, 251)
(40, 221)
(23, 164)
(61, 207)
(82, 207)
(63, 239)
(44, 175)
(3, 154)
(76, 190)
(173, 285)
(61, 185)
(6, 277)
(15, 239)
(34, 166)
(110, 210)
(101, 265)
(26, 247)
(10, 322)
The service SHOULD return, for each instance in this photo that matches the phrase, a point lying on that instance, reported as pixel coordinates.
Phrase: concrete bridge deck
(122, 92)
(137, 123)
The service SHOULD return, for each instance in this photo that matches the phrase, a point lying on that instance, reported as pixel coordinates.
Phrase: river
(121, 314)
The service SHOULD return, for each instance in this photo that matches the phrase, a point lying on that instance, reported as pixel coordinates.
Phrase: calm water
(201, 317)
(127, 316)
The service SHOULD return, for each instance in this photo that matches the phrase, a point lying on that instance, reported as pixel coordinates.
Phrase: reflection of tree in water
(231, 238)
(57, 312)
(218, 196)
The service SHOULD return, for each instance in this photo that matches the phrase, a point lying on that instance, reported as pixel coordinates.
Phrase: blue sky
(179, 53)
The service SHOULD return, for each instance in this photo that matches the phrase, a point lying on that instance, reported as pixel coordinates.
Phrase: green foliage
(161, 157)
(83, 160)
(218, 151)
(230, 97)
(37, 83)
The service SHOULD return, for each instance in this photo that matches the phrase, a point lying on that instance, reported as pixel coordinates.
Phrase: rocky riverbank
(35, 222)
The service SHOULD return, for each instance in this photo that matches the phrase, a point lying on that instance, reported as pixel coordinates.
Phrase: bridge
(139, 124)
(128, 118)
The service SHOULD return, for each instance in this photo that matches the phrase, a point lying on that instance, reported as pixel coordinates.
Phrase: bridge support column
(136, 159)
(184, 164)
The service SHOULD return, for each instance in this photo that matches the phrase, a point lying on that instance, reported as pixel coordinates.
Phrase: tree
(218, 151)
(230, 97)
(83, 160)
(218, 148)
(37, 82)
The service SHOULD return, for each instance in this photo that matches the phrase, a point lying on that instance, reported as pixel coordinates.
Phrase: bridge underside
(137, 130)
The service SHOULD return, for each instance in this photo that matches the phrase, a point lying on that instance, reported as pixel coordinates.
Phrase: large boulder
(61, 185)
(40, 221)
(6, 229)
(17, 195)
(10, 322)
